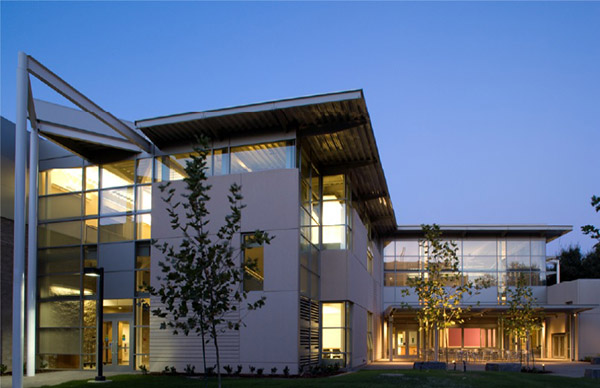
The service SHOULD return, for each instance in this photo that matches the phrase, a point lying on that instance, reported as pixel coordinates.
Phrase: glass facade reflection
(487, 262)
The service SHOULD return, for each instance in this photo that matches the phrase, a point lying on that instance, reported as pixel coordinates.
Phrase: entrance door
(405, 342)
(559, 345)
(116, 349)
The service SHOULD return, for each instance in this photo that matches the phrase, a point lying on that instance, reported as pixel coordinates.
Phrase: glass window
(334, 237)
(254, 270)
(538, 263)
(60, 180)
(113, 229)
(59, 314)
(117, 174)
(518, 247)
(514, 278)
(538, 248)
(389, 279)
(90, 231)
(144, 226)
(221, 162)
(538, 278)
(479, 248)
(481, 279)
(144, 198)
(92, 177)
(334, 187)
(335, 332)
(518, 263)
(402, 278)
(259, 157)
(116, 201)
(91, 203)
(59, 285)
(334, 212)
(90, 285)
(142, 343)
(117, 306)
(407, 263)
(59, 206)
(144, 170)
(479, 263)
(172, 167)
(59, 233)
(142, 313)
(60, 361)
(389, 263)
(59, 341)
(58, 260)
(90, 256)
(142, 258)
(407, 248)
(389, 248)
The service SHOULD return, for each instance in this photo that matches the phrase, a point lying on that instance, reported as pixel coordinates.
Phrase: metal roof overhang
(399, 310)
(80, 133)
(549, 232)
(336, 126)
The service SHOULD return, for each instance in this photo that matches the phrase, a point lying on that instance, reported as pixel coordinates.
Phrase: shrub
(3, 369)
(210, 370)
(273, 370)
(260, 371)
(190, 369)
(238, 370)
(166, 370)
(286, 371)
(252, 369)
(144, 369)
(173, 370)
(228, 369)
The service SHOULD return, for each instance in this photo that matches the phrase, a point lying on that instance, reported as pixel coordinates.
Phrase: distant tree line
(576, 265)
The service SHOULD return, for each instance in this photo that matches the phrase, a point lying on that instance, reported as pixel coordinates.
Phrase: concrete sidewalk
(558, 368)
(53, 378)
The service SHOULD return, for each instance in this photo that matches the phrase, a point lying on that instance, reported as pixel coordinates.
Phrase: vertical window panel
(59, 206)
(144, 226)
(58, 260)
(91, 203)
(92, 178)
(90, 231)
(117, 174)
(60, 180)
(143, 170)
(116, 201)
(59, 233)
(114, 229)
(144, 198)
(254, 270)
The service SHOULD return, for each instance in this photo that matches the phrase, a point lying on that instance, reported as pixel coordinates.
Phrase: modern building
(311, 177)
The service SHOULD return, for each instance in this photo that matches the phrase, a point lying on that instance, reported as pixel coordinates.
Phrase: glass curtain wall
(337, 211)
(80, 208)
(490, 262)
(337, 333)
(310, 238)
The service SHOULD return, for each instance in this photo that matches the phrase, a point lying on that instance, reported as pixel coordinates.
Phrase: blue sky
(483, 112)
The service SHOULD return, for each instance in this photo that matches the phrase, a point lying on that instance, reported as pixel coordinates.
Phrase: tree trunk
(436, 345)
(214, 335)
(202, 334)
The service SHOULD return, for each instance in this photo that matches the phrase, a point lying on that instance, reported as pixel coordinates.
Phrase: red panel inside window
(472, 338)
(454, 335)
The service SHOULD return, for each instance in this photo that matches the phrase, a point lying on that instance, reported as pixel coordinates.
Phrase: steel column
(32, 250)
(19, 231)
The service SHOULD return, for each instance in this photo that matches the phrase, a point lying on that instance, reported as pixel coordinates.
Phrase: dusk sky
(484, 113)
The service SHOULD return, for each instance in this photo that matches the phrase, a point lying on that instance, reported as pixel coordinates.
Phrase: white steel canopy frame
(26, 109)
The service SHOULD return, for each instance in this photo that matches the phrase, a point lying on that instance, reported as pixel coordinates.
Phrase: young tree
(201, 277)
(522, 316)
(593, 231)
(440, 289)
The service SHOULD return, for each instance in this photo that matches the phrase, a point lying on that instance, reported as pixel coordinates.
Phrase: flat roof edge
(250, 108)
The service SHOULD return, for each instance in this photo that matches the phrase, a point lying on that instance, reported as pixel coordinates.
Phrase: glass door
(116, 348)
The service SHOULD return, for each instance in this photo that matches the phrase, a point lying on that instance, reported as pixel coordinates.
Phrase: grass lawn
(373, 378)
